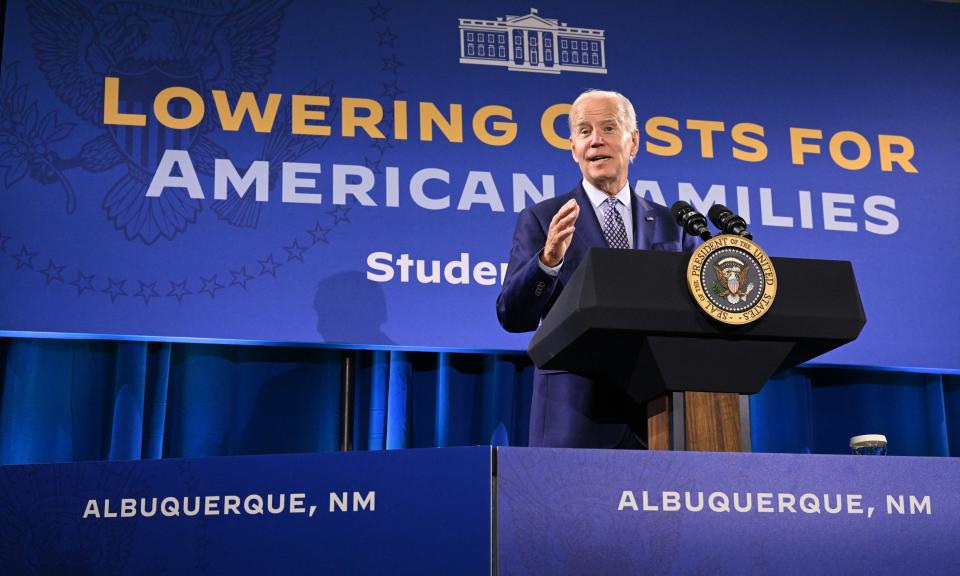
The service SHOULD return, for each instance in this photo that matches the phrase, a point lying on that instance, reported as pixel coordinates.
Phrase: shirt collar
(597, 197)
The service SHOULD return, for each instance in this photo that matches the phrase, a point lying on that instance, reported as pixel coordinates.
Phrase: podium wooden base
(699, 421)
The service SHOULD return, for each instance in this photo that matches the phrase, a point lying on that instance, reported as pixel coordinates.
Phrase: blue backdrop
(831, 126)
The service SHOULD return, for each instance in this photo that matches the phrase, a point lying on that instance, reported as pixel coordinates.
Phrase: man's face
(601, 144)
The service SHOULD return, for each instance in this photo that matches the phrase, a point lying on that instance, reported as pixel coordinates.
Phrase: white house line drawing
(532, 43)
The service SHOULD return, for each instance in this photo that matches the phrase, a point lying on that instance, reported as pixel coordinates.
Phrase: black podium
(627, 317)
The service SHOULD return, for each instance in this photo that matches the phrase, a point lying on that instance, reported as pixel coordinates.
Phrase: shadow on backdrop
(340, 323)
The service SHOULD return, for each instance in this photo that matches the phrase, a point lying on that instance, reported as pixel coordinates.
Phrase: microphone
(690, 220)
(728, 222)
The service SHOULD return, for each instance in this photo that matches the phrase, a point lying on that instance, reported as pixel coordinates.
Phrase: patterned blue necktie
(613, 229)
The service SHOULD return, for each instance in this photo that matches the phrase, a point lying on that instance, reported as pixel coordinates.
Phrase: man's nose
(596, 138)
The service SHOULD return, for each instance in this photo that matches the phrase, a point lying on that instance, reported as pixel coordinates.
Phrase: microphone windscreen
(715, 212)
(679, 208)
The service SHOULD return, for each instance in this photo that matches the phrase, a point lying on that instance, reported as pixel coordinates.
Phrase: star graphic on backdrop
(318, 233)
(382, 145)
(391, 64)
(268, 266)
(178, 290)
(295, 251)
(3, 242)
(114, 289)
(83, 283)
(386, 38)
(210, 285)
(52, 273)
(372, 164)
(378, 12)
(24, 258)
(240, 277)
(387, 122)
(391, 90)
(340, 214)
(147, 291)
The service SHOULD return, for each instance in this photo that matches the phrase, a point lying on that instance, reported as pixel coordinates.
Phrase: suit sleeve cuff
(553, 271)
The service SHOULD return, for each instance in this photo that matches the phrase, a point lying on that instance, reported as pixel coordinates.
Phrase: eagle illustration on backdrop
(732, 283)
(217, 44)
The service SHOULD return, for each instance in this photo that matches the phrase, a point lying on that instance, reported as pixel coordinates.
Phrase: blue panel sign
(358, 513)
(614, 512)
(294, 171)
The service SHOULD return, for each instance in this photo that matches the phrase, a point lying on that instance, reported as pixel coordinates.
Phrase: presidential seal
(732, 279)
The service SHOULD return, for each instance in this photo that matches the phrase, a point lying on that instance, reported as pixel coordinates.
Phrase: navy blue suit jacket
(569, 410)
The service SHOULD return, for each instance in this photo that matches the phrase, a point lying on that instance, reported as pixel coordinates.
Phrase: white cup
(869, 445)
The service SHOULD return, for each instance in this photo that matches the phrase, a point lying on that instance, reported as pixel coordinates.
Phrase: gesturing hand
(560, 233)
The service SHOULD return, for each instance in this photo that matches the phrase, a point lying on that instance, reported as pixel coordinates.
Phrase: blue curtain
(72, 400)
(818, 410)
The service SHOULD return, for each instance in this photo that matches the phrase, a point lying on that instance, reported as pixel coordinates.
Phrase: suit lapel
(588, 233)
(644, 221)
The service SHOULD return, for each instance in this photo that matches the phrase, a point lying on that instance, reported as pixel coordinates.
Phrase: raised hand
(560, 233)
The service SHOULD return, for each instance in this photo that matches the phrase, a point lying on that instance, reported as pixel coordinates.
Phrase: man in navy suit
(552, 238)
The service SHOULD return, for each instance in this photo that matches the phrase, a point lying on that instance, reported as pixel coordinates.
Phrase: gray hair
(624, 108)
